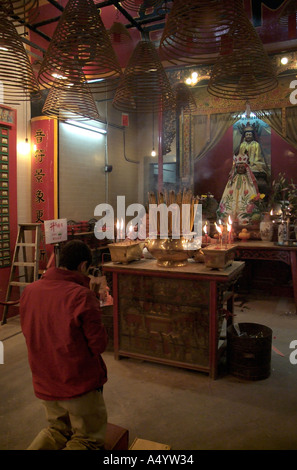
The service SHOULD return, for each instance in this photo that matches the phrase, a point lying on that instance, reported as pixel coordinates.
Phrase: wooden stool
(116, 438)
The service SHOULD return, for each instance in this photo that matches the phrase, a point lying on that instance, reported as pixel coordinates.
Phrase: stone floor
(184, 409)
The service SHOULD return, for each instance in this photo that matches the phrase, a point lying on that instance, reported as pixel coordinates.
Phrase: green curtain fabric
(207, 131)
(291, 120)
(282, 121)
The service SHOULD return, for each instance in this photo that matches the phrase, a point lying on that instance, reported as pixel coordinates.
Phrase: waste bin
(249, 350)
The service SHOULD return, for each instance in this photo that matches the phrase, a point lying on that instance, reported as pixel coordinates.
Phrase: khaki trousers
(76, 424)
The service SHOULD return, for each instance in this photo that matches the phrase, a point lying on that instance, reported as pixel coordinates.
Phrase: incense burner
(217, 257)
(125, 252)
(171, 252)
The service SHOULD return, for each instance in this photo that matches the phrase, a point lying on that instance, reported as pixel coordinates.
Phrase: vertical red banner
(44, 176)
(44, 169)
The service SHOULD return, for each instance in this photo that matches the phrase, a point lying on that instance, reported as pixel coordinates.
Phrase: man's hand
(99, 286)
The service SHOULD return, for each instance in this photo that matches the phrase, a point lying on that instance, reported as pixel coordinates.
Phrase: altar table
(172, 316)
(270, 251)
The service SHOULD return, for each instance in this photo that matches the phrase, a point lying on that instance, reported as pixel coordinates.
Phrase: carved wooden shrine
(172, 316)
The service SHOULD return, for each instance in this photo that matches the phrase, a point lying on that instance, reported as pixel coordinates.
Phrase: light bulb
(284, 60)
(24, 147)
(153, 154)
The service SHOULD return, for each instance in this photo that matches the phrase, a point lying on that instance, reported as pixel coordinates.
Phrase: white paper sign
(55, 230)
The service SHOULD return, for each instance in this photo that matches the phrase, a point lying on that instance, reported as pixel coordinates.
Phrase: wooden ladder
(30, 267)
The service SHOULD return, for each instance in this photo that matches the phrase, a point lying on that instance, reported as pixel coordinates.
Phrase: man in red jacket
(61, 322)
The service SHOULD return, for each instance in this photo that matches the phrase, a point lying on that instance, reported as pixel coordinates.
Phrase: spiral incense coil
(119, 34)
(163, 7)
(81, 38)
(288, 14)
(243, 71)
(26, 10)
(193, 30)
(169, 130)
(288, 18)
(16, 73)
(185, 100)
(144, 86)
(71, 101)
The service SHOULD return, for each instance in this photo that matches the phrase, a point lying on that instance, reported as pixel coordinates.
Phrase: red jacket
(61, 321)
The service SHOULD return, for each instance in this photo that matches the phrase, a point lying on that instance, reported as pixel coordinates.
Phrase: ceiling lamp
(194, 29)
(136, 5)
(288, 18)
(16, 73)
(18, 10)
(81, 39)
(144, 86)
(119, 34)
(185, 100)
(72, 101)
(243, 70)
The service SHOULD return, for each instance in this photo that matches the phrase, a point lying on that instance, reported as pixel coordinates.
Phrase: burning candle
(117, 234)
(130, 233)
(122, 233)
(219, 230)
(229, 228)
(205, 231)
(229, 232)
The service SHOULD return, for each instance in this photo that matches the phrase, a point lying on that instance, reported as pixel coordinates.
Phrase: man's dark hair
(73, 253)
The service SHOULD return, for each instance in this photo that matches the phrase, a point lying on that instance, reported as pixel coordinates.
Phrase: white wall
(83, 184)
(81, 172)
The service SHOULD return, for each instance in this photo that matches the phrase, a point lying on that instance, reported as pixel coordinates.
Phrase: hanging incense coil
(169, 130)
(163, 6)
(136, 5)
(20, 10)
(288, 13)
(288, 18)
(185, 100)
(144, 86)
(243, 70)
(16, 73)
(71, 101)
(194, 29)
(81, 38)
(119, 34)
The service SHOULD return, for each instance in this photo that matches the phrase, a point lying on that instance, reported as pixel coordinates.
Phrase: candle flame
(218, 228)
(271, 212)
(229, 220)
(205, 229)
(229, 227)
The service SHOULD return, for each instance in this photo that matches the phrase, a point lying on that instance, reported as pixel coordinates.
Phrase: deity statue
(252, 148)
(240, 188)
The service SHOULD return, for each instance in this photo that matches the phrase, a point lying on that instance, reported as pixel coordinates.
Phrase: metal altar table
(269, 251)
(172, 316)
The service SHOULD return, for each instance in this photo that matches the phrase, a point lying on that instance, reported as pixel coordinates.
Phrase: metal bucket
(249, 353)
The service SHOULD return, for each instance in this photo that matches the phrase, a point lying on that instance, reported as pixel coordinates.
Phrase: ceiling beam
(56, 4)
(148, 20)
